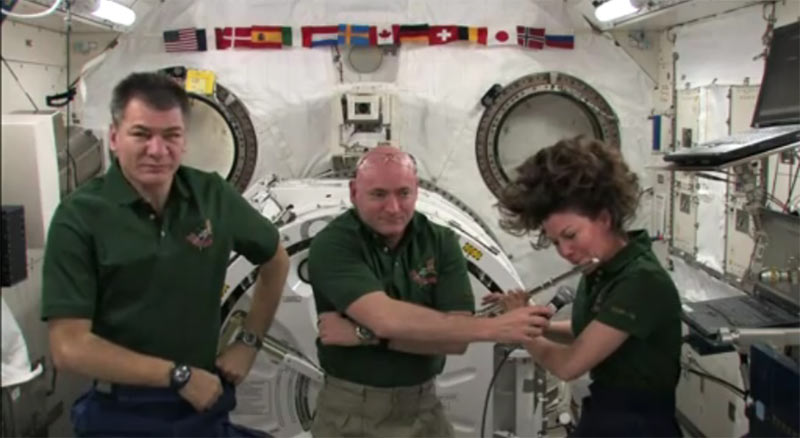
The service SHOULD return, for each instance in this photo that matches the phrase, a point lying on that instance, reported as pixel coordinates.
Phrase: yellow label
(200, 81)
(471, 251)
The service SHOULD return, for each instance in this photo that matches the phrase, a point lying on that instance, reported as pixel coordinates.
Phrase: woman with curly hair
(625, 328)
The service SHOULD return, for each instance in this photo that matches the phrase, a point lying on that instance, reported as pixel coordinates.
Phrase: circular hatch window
(534, 112)
(209, 142)
(220, 136)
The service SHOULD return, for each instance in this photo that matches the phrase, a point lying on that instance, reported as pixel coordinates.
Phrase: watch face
(247, 338)
(364, 333)
(181, 374)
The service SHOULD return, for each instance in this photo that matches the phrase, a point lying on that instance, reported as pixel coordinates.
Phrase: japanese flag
(501, 36)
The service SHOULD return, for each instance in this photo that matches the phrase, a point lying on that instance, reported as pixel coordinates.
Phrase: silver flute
(497, 308)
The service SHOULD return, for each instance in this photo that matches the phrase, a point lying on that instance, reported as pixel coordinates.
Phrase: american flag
(185, 40)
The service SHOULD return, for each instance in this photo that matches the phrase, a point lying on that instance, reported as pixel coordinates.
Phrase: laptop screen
(779, 96)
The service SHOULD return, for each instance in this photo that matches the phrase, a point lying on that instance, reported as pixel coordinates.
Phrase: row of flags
(278, 37)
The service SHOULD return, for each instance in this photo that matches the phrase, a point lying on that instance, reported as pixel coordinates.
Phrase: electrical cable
(777, 201)
(774, 180)
(791, 188)
(20, 84)
(61, 99)
(53, 378)
(44, 13)
(337, 60)
(740, 392)
(70, 159)
(9, 422)
(112, 44)
(489, 389)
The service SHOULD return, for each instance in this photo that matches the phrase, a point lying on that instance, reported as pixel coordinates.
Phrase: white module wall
(684, 207)
(37, 56)
(708, 207)
(740, 227)
(782, 178)
(712, 124)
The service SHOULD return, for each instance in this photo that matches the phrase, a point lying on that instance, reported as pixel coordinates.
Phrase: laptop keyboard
(749, 312)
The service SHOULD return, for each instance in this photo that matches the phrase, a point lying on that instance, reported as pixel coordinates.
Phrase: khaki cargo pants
(346, 409)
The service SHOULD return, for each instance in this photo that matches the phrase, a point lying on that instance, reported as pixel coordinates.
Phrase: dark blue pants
(132, 411)
(614, 412)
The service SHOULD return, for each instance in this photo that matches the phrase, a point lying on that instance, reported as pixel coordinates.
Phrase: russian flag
(560, 41)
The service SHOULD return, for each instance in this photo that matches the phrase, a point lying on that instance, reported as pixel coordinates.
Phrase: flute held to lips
(497, 307)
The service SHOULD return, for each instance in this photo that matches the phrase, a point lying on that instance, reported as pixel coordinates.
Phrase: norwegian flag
(185, 40)
(530, 37)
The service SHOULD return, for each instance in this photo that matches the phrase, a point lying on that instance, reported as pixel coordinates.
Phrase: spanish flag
(270, 37)
(255, 37)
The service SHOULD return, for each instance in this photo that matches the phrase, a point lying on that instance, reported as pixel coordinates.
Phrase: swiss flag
(443, 34)
(501, 36)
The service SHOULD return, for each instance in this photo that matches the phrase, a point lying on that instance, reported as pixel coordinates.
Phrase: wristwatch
(249, 338)
(179, 376)
(365, 335)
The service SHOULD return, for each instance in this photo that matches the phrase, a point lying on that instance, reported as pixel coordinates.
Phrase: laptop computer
(776, 120)
(708, 317)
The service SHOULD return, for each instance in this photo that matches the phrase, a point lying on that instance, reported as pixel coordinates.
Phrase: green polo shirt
(633, 293)
(148, 283)
(347, 260)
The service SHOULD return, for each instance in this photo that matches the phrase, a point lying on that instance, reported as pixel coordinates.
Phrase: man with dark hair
(393, 297)
(133, 274)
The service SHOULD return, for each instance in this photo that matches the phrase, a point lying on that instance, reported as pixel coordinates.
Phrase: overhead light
(115, 12)
(613, 9)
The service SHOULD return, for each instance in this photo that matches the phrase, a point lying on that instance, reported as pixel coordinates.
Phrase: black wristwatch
(249, 338)
(179, 376)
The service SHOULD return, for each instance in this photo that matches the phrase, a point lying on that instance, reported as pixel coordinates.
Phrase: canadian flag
(385, 34)
(501, 36)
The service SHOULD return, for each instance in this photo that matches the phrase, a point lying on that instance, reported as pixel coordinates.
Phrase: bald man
(393, 297)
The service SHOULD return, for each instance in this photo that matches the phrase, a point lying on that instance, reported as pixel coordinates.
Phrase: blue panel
(775, 389)
(656, 133)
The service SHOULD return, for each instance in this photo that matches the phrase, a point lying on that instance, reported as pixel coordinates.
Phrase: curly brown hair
(577, 174)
